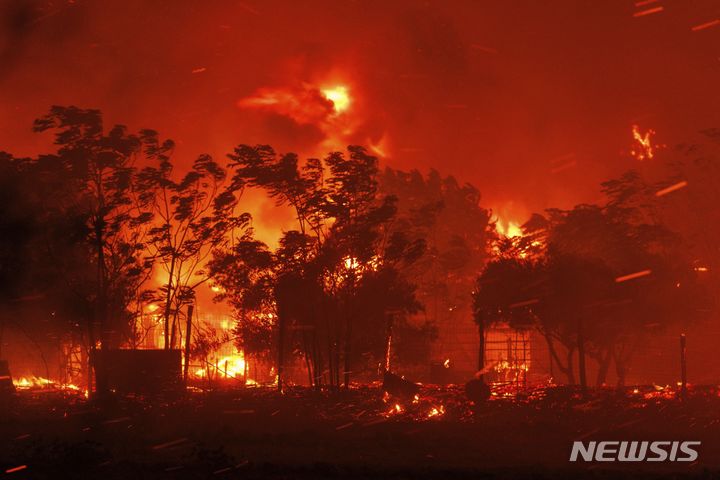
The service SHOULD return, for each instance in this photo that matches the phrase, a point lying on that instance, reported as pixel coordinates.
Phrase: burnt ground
(259, 433)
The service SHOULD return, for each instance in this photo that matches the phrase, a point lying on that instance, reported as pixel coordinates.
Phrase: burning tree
(245, 275)
(193, 216)
(605, 278)
(46, 281)
(319, 281)
(99, 188)
(458, 231)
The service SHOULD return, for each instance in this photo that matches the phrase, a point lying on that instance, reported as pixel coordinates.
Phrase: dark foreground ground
(258, 433)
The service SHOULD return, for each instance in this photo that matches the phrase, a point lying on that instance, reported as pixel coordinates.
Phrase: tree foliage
(320, 283)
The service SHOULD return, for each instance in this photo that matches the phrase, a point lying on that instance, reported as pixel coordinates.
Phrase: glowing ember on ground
(32, 382)
(437, 411)
(504, 366)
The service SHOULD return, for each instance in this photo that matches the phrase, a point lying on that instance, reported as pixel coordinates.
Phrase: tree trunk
(346, 352)
(570, 370)
(330, 350)
(388, 340)
(188, 333)
(101, 387)
(281, 352)
(316, 361)
(566, 369)
(683, 366)
(581, 355)
(481, 350)
(307, 354)
(620, 369)
(604, 367)
(166, 315)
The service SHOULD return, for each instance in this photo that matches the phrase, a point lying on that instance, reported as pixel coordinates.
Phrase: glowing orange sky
(533, 104)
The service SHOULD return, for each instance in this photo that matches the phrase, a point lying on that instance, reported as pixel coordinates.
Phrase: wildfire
(304, 104)
(229, 366)
(232, 365)
(522, 244)
(508, 228)
(33, 382)
(436, 411)
(353, 266)
(339, 97)
(644, 148)
(505, 366)
(351, 263)
(328, 105)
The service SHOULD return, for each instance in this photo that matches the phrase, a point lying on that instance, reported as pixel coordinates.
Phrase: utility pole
(581, 355)
(683, 366)
(188, 337)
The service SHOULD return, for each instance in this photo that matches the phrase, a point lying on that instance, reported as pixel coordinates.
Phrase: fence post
(683, 365)
(188, 332)
(581, 355)
(389, 319)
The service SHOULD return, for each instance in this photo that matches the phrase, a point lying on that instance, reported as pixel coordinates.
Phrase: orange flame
(508, 228)
(436, 411)
(645, 148)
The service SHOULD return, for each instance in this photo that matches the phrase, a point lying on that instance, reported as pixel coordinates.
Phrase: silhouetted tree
(194, 214)
(344, 244)
(577, 292)
(100, 188)
(458, 232)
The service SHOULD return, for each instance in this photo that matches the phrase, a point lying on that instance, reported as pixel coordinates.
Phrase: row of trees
(371, 252)
(599, 280)
(335, 279)
(102, 227)
(106, 225)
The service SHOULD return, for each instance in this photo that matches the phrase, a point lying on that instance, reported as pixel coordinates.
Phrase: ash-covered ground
(359, 433)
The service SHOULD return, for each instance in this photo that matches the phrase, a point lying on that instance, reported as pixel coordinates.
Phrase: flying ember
(644, 147)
